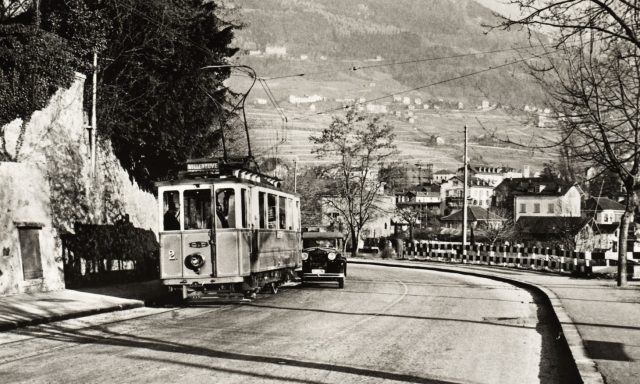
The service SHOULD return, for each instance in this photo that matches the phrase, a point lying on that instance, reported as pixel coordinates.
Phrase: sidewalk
(600, 322)
(30, 309)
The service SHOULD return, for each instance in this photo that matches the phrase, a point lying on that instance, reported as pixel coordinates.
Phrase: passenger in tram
(225, 209)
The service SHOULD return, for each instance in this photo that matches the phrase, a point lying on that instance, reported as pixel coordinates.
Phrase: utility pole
(94, 119)
(464, 196)
(295, 175)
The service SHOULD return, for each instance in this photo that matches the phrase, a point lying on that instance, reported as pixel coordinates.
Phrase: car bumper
(327, 276)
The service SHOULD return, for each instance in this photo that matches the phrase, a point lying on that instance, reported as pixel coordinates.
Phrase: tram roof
(211, 170)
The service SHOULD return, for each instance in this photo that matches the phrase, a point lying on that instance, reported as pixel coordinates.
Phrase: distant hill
(333, 34)
(325, 39)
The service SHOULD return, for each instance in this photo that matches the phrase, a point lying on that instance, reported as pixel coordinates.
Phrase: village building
(275, 50)
(570, 232)
(479, 193)
(491, 174)
(443, 175)
(376, 108)
(535, 196)
(305, 99)
(477, 217)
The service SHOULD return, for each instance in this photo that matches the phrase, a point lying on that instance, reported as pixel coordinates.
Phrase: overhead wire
(412, 61)
(474, 73)
(278, 108)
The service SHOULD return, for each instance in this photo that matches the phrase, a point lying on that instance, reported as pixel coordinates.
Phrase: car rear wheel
(341, 282)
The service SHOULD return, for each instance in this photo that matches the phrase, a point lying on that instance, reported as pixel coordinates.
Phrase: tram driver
(171, 216)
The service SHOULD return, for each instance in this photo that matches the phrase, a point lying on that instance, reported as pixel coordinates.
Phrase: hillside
(334, 35)
(326, 39)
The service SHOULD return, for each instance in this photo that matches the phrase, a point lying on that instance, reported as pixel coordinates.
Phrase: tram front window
(171, 219)
(197, 209)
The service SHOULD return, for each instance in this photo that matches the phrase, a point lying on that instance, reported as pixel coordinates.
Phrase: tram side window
(226, 208)
(197, 209)
(271, 211)
(290, 214)
(262, 210)
(282, 212)
(244, 209)
(297, 218)
(171, 219)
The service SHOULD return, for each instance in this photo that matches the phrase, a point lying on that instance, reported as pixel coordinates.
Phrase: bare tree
(357, 148)
(593, 78)
(411, 214)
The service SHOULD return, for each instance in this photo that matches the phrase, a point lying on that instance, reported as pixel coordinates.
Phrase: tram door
(185, 232)
(233, 234)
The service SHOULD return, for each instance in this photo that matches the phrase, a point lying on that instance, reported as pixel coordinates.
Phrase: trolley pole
(464, 196)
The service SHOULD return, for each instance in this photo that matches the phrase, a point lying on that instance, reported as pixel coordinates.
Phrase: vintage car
(322, 258)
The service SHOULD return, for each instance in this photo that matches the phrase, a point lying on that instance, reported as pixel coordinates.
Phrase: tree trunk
(627, 218)
(411, 232)
(354, 243)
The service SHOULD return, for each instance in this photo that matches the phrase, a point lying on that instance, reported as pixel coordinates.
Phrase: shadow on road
(109, 338)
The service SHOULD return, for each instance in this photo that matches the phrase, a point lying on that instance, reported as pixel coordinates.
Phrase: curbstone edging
(587, 368)
(9, 325)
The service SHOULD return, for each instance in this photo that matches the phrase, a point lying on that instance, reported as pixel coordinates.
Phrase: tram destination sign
(209, 166)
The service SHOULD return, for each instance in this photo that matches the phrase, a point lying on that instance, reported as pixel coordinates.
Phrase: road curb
(587, 368)
(9, 325)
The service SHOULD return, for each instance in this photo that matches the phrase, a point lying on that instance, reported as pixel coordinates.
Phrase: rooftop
(603, 203)
(551, 225)
(473, 214)
(535, 186)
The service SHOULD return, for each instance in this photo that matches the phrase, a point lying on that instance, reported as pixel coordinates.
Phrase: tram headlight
(304, 256)
(194, 262)
(331, 256)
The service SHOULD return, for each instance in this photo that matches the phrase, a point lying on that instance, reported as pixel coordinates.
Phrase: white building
(376, 108)
(305, 99)
(275, 50)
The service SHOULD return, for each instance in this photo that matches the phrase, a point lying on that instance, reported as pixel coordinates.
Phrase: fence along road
(539, 259)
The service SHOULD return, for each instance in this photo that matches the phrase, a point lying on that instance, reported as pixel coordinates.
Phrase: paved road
(387, 325)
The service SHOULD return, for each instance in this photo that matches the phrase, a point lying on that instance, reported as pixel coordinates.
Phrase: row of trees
(155, 104)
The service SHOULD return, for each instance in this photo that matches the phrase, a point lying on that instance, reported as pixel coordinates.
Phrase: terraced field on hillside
(271, 138)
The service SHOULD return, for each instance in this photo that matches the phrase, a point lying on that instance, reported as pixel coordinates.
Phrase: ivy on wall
(34, 64)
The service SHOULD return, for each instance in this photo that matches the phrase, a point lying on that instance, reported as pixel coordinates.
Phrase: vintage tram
(226, 230)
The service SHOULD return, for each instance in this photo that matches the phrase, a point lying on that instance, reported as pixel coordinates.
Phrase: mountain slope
(330, 32)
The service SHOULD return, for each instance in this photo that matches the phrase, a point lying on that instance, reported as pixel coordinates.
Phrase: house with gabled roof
(604, 210)
(571, 232)
(476, 216)
(539, 197)
(443, 175)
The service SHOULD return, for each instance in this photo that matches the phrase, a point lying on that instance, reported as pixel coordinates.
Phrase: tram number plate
(317, 271)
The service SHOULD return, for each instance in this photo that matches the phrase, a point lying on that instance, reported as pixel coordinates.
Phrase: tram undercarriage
(246, 288)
